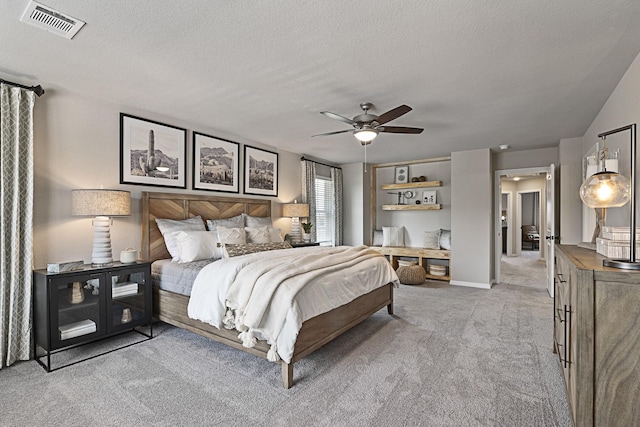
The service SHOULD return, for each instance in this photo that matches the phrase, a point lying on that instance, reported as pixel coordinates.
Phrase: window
(325, 211)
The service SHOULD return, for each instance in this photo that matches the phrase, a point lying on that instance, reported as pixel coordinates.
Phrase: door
(550, 226)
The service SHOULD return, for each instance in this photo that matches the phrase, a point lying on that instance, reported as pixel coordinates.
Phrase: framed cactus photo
(215, 163)
(152, 153)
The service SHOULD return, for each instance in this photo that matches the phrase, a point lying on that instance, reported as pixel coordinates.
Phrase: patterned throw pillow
(258, 235)
(231, 250)
(235, 236)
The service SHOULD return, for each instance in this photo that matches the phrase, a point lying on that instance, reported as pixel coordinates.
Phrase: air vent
(51, 20)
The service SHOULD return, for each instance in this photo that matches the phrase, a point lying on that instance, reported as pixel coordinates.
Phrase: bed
(171, 307)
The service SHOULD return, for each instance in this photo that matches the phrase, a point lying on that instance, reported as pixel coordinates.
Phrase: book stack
(76, 329)
(616, 242)
(123, 289)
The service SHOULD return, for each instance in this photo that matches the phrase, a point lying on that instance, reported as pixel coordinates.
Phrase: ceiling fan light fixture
(365, 135)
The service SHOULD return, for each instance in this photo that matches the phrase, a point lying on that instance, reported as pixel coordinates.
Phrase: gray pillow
(377, 238)
(432, 239)
(257, 221)
(233, 222)
(445, 239)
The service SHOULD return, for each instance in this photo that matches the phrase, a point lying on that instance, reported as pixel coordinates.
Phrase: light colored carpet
(528, 269)
(450, 356)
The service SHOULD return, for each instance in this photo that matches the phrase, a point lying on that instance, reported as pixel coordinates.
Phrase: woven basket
(411, 275)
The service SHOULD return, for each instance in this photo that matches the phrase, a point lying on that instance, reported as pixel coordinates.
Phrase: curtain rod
(320, 163)
(38, 90)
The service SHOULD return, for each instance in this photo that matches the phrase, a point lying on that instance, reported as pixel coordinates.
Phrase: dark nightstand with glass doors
(78, 307)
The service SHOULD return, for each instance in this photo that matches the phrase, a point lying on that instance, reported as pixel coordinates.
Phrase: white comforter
(269, 294)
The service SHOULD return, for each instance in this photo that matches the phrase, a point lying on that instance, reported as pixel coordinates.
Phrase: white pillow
(169, 226)
(431, 239)
(233, 222)
(275, 235)
(257, 221)
(258, 235)
(197, 245)
(235, 236)
(392, 236)
(445, 239)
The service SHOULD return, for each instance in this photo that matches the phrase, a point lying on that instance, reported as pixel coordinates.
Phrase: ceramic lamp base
(101, 242)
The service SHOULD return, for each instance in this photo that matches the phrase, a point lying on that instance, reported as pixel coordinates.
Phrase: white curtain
(336, 177)
(16, 219)
(309, 192)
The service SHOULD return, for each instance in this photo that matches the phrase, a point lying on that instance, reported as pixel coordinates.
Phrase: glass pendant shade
(605, 190)
(365, 135)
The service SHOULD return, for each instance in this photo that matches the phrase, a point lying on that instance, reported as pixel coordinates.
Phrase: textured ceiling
(478, 74)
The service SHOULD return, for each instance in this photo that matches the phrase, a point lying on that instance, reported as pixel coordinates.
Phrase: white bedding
(324, 291)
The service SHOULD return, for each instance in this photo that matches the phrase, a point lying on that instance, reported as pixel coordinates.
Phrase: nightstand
(77, 307)
(304, 244)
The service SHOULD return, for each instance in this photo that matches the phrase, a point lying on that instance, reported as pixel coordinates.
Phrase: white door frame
(509, 209)
(497, 197)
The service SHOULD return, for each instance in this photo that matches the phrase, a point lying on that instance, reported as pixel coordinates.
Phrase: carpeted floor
(450, 356)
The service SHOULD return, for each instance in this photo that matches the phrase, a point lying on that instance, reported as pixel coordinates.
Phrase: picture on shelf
(402, 174)
(429, 197)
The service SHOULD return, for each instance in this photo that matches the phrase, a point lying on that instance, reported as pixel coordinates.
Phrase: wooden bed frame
(171, 307)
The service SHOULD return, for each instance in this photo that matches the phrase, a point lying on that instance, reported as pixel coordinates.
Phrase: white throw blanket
(261, 295)
(258, 291)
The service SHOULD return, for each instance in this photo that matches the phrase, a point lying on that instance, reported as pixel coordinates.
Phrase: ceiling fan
(367, 126)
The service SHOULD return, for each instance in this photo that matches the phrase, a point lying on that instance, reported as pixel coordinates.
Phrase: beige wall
(77, 145)
(471, 220)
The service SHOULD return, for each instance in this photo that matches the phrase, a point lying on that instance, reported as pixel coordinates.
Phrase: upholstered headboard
(183, 206)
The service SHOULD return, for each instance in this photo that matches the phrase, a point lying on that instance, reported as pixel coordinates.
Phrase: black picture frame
(216, 164)
(168, 165)
(260, 172)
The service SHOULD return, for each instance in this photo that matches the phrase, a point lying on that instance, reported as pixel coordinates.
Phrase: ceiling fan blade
(337, 117)
(399, 129)
(333, 133)
(393, 114)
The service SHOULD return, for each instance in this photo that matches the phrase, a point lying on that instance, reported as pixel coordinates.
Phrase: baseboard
(470, 284)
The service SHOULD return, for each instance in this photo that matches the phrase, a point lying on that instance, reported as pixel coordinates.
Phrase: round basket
(404, 263)
(438, 270)
(411, 275)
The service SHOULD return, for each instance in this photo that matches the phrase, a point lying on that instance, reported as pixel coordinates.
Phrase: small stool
(411, 275)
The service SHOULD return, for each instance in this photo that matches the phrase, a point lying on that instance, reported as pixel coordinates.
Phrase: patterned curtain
(16, 218)
(309, 192)
(336, 177)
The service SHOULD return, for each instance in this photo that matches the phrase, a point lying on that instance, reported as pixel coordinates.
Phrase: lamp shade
(605, 190)
(100, 203)
(295, 210)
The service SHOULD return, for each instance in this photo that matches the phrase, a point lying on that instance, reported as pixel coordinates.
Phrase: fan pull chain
(365, 158)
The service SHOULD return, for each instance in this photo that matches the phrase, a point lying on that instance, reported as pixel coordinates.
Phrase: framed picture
(402, 174)
(215, 164)
(429, 197)
(152, 153)
(260, 172)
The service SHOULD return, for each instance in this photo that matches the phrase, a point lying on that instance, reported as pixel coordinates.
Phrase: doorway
(520, 202)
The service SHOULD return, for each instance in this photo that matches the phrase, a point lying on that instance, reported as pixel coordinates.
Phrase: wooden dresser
(597, 338)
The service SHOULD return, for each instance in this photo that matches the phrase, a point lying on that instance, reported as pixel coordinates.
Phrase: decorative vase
(76, 296)
(306, 237)
(126, 315)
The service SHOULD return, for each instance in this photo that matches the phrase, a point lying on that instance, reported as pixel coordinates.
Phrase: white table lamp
(101, 204)
(295, 211)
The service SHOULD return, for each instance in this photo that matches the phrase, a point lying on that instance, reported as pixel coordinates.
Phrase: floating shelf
(411, 207)
(423, 184)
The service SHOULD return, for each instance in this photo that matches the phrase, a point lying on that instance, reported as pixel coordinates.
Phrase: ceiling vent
(51, 20)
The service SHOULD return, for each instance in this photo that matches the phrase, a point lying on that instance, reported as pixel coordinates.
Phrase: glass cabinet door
(128, 299)
(75, 309)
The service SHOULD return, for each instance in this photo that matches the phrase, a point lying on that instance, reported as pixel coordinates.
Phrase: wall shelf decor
(423, 184)
(411, 207)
